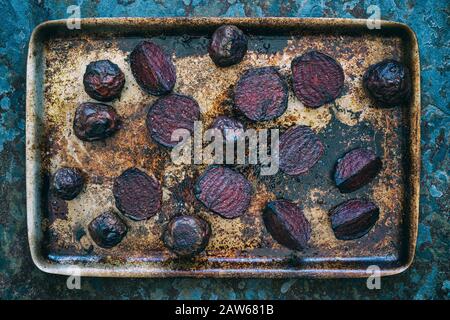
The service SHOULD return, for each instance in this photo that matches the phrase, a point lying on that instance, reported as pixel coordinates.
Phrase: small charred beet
(67, 183)
(107, 230)
(170, 113)
(137, 195)
(95, 121)
(228, 46)
(287, 224)
(355, 169)
(388, 82)
(224, 191)
(103, 80)
(261, 94)
(300, 149)
(353, 218)
(231, 128)
(317, 78)
(187, 236)
(153, 70)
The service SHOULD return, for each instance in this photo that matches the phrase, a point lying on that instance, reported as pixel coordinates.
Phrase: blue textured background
(428, 278)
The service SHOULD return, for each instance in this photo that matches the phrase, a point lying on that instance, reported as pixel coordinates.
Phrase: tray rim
(33, 157)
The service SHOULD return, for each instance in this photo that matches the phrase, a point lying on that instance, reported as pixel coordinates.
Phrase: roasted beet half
(95, 121)
(231, 128)
(153, 69)
(353, 218)
(228, 46)
(170, 113)
(299, 149)
(103, 80)
(287, 224)
(137, 195)
(224, 191)
(107, 230)
(355, 169)
(67, 183)
(261, 94)
(388, 82)
(187, 236)
(317, 78)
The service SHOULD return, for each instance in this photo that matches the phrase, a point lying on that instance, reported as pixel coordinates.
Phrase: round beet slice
(300, 148)
(224, 191)
(261, 94)
(317, 78)
(137, 195)
(170, 113)
(287, 224)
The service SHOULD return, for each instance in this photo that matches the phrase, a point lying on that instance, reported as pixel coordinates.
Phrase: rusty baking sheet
(240, 247)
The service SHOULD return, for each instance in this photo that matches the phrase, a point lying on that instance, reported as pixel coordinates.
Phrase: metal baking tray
(240, 247)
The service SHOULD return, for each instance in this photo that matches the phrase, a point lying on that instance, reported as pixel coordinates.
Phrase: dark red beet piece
(228, 46)
(224, 191)
(103, 80)
(261, 94)
(353, 218)
(170, 113)
(300, 148)
(138, 195)
(95, 121)
(107, 230)
(67, 183)
(187, 236)
(230, 127)
(287, 224)
(388, 82)
(153, 70)
(317, 78)
(355, 169)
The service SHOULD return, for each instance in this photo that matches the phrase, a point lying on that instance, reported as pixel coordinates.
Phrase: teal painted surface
(428, 278)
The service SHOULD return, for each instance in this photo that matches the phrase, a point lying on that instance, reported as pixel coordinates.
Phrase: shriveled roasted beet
(228, 46)
(230, 127)
(187, 236)
(261, 94)
(153, 70)
(287, 224)
(388, 82)
(170, 113)
(355, 169)
(224, 191)
(107, 230)
(95, 121)
(103, 80)
(353, 218)
(317, 78)
(138, 195)
(300, 148)
(67, 183)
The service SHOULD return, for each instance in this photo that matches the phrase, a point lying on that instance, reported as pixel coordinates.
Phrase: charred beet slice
(138, 195)
(187, 236)
(300, 149)
(107, 230)
(287, 224)
(317, 78)
(261, 94)
(95, 121)
(170, 113)
(231, 128)
(153, 70)
(353, 218)
(388, 82)
(355, 169)
(224, 191)
(228, 46)
(67, 183)
(103, 80)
